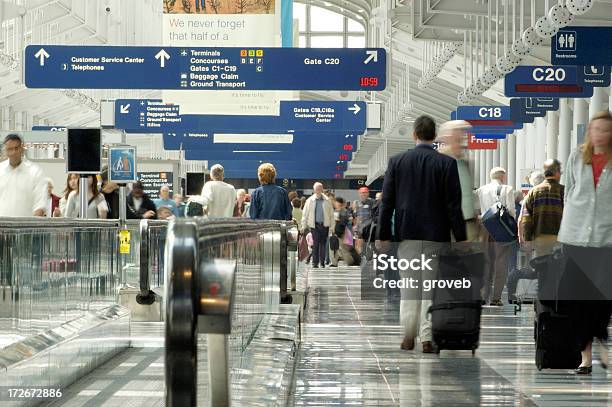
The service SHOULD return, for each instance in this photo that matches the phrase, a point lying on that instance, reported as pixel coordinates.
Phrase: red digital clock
(367, 82)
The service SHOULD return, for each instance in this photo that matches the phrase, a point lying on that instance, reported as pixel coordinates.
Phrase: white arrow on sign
(355, 109)
(162, 56)
(125, 109)
(42, 55)
(372, 55)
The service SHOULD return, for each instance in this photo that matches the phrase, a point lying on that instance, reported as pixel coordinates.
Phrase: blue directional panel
(155, 116)
(289, 143)
(284, 169)
(556, 81)
(586, 46)
(183, 68)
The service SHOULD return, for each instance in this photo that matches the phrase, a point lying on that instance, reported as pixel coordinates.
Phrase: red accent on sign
(548, 88)
(497, 123)
(481, 144)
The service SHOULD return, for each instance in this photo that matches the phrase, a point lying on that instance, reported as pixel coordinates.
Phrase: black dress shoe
(584, 370)
(315, 266)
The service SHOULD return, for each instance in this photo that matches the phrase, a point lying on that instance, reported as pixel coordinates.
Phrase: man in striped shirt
(543, 209)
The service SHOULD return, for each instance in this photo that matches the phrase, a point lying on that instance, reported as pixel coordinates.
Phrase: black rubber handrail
(146, 295)
(187, 239)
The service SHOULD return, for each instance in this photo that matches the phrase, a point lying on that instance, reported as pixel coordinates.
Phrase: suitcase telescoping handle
(453, 305)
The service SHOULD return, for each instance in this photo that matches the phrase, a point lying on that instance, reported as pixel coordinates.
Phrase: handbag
(348, 237)
(302, 248)
(334, 243)
(499, 223)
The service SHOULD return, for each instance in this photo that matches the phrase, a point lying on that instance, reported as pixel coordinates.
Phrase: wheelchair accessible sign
(122, 164)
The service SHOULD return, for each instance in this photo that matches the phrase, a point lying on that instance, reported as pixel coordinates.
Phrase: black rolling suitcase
(455, 313)
(556, 346)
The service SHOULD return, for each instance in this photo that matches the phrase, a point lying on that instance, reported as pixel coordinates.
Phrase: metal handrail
(146, 295)
(199, 296)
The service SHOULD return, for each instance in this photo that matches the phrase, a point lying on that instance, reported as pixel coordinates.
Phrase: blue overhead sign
(556, 81)
(49, 128)
(482, 126)
(155, 116)
(294, 143)
(284, 169)
(265, 155)
(582, 46)
(185, 68)
(485, 118)
(525, 110)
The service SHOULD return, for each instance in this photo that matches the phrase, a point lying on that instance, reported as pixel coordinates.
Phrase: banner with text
(224, 23)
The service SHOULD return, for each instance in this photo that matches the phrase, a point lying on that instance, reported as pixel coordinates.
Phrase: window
(327, 41)
(325, 20)
(322, 28)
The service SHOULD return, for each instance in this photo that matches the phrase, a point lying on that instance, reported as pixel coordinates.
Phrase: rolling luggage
(522, 283)
(556, 346)
(455, 313)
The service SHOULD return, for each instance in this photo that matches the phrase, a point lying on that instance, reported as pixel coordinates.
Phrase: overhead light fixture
(579, 7)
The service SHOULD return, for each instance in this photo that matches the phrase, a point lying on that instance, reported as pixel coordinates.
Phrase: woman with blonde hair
(586, 234)
(269, 201)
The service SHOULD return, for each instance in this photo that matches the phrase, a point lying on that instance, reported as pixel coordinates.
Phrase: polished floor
(350, 356)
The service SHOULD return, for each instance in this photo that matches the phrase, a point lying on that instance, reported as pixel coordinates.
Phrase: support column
(540, 142)
(581, 117)
(496, 155)
(483, 167)
(596, 104)
(565, 131)
(552, 134)
(489, 158)
(475, 157)
(521, 144)
(530, 142)
(502, 150)
(511, 158)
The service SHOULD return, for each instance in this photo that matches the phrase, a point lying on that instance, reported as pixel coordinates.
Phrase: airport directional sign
(265, 155)
(289, 143)
(49, 128)
(485, 119)
(525, 110)
(584, 46)
(556, 81)
(155, 116)
(187, 68)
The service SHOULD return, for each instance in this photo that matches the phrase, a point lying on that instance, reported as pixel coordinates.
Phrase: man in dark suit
(422, 190)
(139, 205)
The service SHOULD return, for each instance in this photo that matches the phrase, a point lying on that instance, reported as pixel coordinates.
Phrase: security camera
(107, 9)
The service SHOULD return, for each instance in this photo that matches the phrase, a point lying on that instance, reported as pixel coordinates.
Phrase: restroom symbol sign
(566, 41)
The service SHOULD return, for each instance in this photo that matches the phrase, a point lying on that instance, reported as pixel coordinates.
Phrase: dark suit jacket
(422, 187)
(147, 205)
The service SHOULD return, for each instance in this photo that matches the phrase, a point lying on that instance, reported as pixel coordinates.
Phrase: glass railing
(56, 270)
(222, 278)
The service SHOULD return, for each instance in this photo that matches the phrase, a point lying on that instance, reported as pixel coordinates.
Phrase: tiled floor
(350, 356)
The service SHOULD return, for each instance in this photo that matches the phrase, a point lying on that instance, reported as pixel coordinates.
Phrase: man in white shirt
(23, 186)
(218, 197)
(318, 217)
(496, 254)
